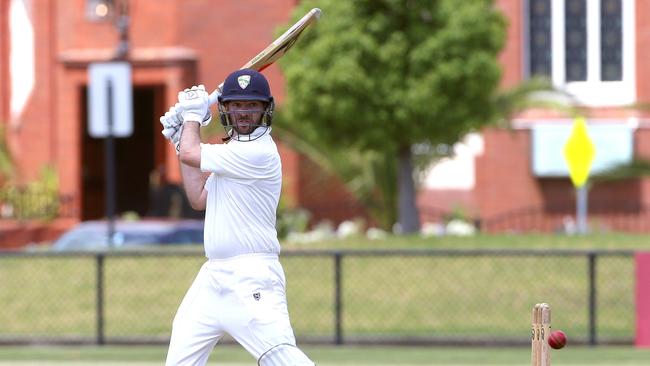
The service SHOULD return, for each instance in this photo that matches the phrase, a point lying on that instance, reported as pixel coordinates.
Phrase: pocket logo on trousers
(257, 296)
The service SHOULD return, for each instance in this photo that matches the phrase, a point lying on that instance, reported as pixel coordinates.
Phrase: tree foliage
(368, 175)
(382, 75)
(6, 161)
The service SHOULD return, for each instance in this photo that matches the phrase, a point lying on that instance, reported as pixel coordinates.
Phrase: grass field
(226, 355)
(387, 296)
(510, 241)
(438, 296)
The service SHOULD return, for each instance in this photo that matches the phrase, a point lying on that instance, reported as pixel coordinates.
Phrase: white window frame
(593, 91)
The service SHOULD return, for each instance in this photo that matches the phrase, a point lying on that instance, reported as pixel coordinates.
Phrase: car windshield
(94, 235)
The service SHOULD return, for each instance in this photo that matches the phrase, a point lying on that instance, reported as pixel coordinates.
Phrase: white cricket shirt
(243, 195)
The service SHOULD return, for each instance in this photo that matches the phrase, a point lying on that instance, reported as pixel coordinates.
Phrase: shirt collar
(257, 133)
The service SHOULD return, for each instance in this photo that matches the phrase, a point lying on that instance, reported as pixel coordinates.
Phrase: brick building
(173, 44)
(595, 50)
(46, 47)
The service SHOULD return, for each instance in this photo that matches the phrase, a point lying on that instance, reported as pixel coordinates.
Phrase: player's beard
(245, 125)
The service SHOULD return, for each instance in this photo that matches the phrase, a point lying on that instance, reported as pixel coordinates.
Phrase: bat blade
(277, 49)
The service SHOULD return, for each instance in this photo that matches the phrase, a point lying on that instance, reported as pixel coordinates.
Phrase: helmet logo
(244, 80)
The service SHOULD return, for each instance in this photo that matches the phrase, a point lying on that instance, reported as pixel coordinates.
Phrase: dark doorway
(134, 159)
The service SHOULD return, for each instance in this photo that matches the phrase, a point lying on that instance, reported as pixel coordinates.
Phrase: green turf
(382, 296)
(511, 241)
(329, 356)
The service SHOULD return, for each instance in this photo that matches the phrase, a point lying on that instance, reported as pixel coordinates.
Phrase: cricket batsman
(240, 290)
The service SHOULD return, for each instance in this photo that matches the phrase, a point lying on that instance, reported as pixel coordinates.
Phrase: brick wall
(66, 43)
(503, 175)
(504, 179)
(29, 134)
(4, 62)
(174, 44)
(642, 50)
(513, 51)
(325, 196)
(179, 43)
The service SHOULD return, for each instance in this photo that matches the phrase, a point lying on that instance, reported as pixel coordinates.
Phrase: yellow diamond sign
(579, 152)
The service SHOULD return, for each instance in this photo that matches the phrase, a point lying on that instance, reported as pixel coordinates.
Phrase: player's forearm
(190, 159)
(190, 146)
(194, 185)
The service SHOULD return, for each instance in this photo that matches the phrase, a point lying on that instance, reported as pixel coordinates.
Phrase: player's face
(245, 114)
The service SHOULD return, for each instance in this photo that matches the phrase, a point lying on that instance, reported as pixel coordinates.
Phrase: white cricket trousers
(243, 296)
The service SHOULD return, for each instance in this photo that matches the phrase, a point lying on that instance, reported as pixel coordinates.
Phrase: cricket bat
(276, 49)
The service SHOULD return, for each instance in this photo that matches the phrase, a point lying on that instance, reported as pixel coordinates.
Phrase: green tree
(6, 161)
(368, 175)
(379, 76)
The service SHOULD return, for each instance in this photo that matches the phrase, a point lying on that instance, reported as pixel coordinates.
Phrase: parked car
(93, 235)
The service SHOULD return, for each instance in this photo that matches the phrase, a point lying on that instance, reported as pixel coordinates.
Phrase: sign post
(579, 152)
(118, 76)
(110, 115)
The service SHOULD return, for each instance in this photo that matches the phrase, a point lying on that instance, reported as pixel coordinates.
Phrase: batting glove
(174, 135)
(194, 104)
(172, 118)
(207, 118)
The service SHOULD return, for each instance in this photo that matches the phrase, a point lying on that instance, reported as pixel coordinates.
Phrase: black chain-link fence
(410, 297)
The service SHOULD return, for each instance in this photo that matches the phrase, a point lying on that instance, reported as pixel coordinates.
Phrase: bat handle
(212, 98)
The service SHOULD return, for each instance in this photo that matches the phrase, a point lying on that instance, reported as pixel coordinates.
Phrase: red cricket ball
(557, 339)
